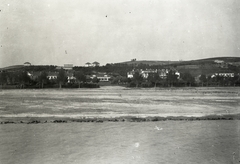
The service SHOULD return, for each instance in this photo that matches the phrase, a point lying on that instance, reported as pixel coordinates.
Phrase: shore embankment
(41, 120)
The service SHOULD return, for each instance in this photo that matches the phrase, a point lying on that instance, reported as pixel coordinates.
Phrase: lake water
(121, 143)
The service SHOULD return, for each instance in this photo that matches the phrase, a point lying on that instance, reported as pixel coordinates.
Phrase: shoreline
(54, 119)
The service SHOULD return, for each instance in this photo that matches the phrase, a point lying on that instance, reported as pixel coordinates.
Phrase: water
(121, 143)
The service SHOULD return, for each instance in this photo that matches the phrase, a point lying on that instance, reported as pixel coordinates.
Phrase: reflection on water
(122, 142)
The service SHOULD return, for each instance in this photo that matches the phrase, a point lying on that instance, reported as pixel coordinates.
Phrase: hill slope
(198, 61)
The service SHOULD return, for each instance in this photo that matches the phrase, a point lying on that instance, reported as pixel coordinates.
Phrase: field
(111, 102)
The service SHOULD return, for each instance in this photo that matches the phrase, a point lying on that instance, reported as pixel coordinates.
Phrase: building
(59, 67)
(130, 74)
(27, 64)
(88, 64)
(52, 75)
(95, 64)
(163, 73)
(219, 61)
(34, 75)
(223, 75)
(68, 66)
(101, 76)
(70, 77)
(146, 72)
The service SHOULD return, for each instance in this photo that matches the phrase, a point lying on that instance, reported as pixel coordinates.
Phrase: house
(70, 77)
(88, 64)
(95, 64)
(130, 74)
(223, 75)
(163, 73)
(34, 75)
(59, 67)
(219, 61)
(52, 75)
(27, 64)
(178, 74)
(146, 72)
(68, 66)
(101, 76)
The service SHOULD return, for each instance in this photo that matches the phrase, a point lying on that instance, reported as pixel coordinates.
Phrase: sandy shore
(118, 104)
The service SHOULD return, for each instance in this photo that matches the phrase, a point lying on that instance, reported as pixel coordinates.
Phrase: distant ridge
(12, 67)
(149, 62)
(197, 61)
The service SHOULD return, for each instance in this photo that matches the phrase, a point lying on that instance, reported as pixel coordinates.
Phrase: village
(134, 75)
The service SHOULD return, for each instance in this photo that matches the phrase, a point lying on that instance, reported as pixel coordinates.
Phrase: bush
(147, 85)
(132, 84)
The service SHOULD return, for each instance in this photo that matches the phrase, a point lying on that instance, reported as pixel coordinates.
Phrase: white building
(68, 66)
(95, 64)
(52, 75)
(101, 77)
(88, 64)
(223, 75)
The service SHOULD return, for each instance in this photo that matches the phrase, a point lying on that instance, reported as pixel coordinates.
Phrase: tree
(3, 78)
(95, 80)
(209, 80)
(172, 77)
(154, 77)
(137, 78)
(42, 79)
(203, 79)
(23, 79)
(188, 78)
(235, 80)
(80, 77)
(62, 78)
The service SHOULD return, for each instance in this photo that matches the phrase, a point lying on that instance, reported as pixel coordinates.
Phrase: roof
(95, 62)
(87, 63)
(27, 63)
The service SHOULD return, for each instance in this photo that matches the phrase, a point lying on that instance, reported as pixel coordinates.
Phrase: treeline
(21, 79)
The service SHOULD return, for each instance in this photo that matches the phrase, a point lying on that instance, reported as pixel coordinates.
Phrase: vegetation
(192, 73)
(42, 79)
(62, 78)
(80, 77)
(154, 78)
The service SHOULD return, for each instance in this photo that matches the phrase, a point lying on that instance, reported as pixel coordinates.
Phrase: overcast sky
(108, 31)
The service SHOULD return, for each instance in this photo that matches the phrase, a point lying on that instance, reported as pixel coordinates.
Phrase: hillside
(14, 67)
(148, 62)
(190, 62)
(206, 66)
(197, 67)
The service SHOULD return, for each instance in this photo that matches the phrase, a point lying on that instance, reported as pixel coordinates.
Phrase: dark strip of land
(40, 120)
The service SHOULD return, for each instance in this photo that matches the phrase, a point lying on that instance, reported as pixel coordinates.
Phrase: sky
(57, 32)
